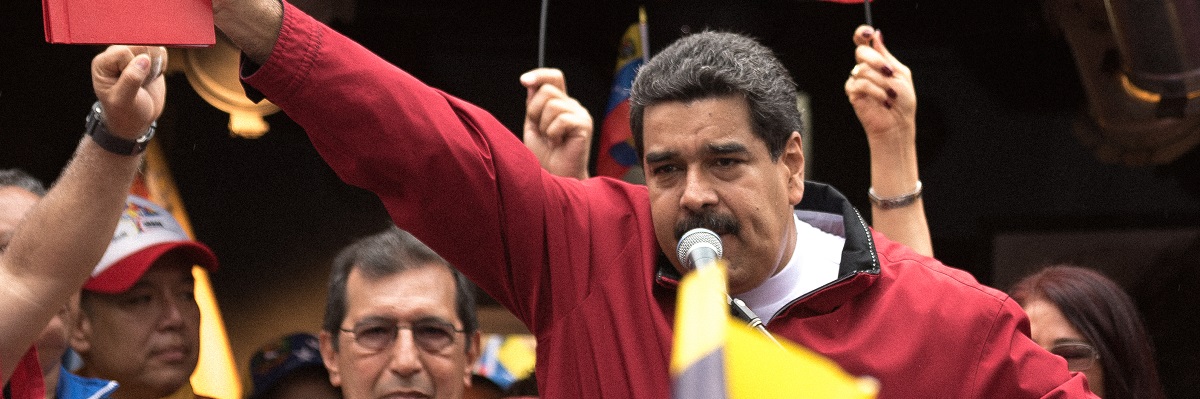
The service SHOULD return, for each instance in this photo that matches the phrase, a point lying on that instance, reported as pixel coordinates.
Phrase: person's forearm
(894, 173)
(252, 25)
(59, 243)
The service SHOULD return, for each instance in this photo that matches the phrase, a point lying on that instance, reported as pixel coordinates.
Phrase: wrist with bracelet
(100, 134)
(897, 201)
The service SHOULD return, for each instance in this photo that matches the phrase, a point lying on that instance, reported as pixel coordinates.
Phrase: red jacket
(578, 261)
(26, 380)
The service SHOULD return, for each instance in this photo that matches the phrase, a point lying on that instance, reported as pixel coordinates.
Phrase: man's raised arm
(62, 238)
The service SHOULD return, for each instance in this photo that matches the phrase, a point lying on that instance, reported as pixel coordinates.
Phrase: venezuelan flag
(717, 356)
(616, 140)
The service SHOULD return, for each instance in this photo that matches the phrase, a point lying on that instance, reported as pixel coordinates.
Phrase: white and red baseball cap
(145, 233)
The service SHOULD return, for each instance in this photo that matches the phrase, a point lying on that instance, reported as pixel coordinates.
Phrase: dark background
(998, 98)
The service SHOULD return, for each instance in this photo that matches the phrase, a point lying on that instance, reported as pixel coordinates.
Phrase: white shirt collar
(814, 263)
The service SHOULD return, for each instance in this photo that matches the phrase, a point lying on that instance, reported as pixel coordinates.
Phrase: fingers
(542, 85)
(136, 73)
(551, 114)
(564, 116)
(567, 123)
(128, 82)
(120, 71)
(107, 66)
(872, 51)
(860, 89)
(536, 103)
(158, 64)
(536, 78)
(549, 101)
(863, 34)
(873, 59)
(878, 76)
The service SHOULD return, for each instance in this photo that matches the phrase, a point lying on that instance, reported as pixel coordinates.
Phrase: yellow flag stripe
(760, 369)
(631, 46)
(699, 315)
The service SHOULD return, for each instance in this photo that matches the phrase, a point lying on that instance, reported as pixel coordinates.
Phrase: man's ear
(793, 159)
(472, 356)
(329, 356)
(79, 326)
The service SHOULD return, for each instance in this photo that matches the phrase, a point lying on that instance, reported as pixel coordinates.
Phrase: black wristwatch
(112, 143)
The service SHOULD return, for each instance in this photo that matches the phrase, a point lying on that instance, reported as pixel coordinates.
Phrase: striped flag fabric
(698, 357)
(718, 357)
(617, 154)
(505, 359)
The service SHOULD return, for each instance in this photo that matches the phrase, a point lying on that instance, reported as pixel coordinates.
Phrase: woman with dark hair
(1081, 315)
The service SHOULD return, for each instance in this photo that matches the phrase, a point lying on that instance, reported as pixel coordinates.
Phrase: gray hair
(716, 64)
(384, 254)
(18, 178)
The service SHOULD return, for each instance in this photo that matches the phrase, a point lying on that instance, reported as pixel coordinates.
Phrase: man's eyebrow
(726, 148)
(379, 319)
(375, 319)
(660, 156)
(434, 319)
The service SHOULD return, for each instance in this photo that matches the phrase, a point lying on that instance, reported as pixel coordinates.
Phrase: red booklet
(156, 22)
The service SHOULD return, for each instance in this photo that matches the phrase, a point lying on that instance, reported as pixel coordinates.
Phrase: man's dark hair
(384, 254)
(18, 178)
(717, 64)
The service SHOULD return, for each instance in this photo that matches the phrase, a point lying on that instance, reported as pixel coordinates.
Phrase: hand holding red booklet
(185, 23)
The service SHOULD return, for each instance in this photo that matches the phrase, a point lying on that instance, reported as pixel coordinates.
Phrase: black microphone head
(694, 239)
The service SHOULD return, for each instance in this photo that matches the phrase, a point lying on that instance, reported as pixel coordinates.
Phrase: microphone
(698, 248)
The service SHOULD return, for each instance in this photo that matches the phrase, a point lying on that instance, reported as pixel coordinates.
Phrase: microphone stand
(743, 312)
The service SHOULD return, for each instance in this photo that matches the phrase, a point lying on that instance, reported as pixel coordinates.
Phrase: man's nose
(172, 313)
(698, 192)
(406, 356)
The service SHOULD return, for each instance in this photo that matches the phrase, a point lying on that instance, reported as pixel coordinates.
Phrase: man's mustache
(718, 223)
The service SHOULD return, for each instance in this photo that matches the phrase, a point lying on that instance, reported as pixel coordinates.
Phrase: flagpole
(752, 320)
(867, 11)
(542, 35)
(644, 31)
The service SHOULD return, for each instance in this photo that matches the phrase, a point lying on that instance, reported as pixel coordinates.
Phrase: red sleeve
(446, 170)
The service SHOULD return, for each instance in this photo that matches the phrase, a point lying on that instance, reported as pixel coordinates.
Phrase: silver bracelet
(895, 202)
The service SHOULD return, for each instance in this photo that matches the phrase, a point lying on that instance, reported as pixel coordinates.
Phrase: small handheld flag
(617, 153)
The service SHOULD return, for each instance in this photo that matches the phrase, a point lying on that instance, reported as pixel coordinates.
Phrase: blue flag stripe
(704, 379)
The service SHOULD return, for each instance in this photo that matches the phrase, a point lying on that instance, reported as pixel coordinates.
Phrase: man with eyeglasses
(399, 321)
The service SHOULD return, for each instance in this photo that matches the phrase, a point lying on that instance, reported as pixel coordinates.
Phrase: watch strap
(113, 143)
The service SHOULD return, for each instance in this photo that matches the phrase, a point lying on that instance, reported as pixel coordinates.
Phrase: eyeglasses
(431, 336)
(1079, 356)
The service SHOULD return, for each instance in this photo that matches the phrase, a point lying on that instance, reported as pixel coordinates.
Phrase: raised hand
(129, 84)
(558, 130)
(881, 89)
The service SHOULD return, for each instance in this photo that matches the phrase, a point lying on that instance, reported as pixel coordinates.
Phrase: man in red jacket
(583, 263)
